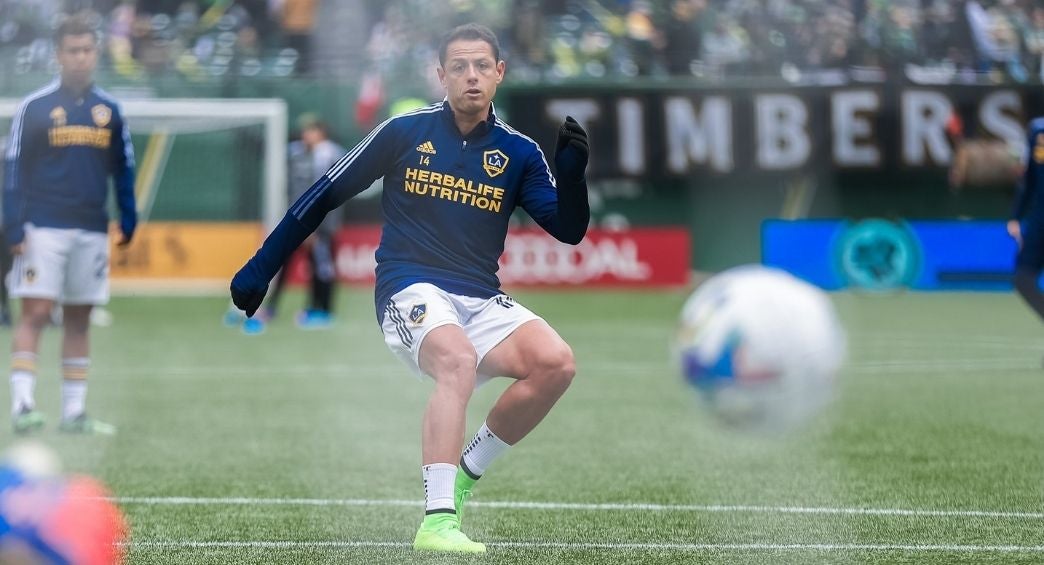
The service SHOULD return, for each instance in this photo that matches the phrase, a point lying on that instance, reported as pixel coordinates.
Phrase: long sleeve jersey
(1029, 199)
(62, 150)
(447, 201)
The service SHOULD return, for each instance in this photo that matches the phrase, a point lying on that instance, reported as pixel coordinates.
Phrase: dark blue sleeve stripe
(339, 167)
(347, 160)
(308, 198)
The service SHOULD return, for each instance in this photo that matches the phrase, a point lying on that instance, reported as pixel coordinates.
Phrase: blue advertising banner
(878, 254)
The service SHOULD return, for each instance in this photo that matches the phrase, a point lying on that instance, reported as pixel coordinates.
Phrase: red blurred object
(371, 98)
(85, 526)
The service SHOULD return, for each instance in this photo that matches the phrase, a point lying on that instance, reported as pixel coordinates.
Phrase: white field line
(604, 507)
(858, 367)
(263, 544)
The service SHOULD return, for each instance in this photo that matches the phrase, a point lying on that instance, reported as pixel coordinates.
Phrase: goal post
(210, 181)
(174, 115)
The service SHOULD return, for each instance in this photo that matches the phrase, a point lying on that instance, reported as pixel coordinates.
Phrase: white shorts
(70, 266)
(419, 308)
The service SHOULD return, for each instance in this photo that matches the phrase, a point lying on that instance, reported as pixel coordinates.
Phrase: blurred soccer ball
(47, 517)
(762, 347)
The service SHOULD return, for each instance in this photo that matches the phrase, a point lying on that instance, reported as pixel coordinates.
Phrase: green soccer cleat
(462, 486)
(27, 421)
(441, 532)
(86, 426)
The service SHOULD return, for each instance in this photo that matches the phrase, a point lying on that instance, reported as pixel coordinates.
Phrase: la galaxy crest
(494, 162)
(418, 313)
(101, 115)
(58, 116)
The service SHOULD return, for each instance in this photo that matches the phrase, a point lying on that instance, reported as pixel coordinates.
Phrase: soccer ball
(761, 346)
(47, 517)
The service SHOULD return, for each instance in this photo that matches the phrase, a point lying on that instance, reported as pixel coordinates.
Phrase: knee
(455, 368)
(556, 366)
(35, 320)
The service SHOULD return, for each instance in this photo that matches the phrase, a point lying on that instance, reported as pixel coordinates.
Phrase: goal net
(210, 182)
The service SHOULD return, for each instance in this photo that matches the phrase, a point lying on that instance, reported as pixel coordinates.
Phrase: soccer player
(1026, 225)
(67, 140)
(309, 158)
(453, 172)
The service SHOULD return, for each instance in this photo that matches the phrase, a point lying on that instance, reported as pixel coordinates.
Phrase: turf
(303, 446)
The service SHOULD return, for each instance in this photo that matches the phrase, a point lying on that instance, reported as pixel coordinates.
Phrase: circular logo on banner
(879, 255)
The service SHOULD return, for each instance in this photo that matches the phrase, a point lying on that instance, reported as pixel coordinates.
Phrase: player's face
(78, 56)
(470, 75)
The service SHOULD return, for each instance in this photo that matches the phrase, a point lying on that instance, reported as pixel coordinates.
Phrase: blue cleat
(314, 320)
(253, 326)
(233, 317)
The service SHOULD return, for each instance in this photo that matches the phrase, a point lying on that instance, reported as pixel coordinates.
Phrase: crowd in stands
(948, 40)
(196, 39)
(942, 40)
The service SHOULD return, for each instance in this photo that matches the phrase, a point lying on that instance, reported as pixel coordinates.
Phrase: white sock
(74, 386)
(23, 380)
(438, 487)
(22, 385)
(482, 451)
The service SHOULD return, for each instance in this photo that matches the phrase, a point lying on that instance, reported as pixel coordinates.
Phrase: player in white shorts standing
(453, 173)
(67, 139)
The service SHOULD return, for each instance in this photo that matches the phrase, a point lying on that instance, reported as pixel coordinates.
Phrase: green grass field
(303, 447)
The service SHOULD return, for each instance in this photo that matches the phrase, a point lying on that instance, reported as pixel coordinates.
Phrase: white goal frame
(269, 111)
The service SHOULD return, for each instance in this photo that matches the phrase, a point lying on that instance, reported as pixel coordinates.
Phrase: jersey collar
(73, 93)
(480, 130)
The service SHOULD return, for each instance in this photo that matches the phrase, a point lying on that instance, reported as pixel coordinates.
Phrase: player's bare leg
(76, 321)
(543, 366)
(450, 359)
(35, 315)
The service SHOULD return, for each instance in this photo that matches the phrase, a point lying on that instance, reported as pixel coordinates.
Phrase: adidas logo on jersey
(426, 147)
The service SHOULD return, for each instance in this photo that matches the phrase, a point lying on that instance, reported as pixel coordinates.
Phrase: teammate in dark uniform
(67, 140)
(1027, 223)
(453, 173)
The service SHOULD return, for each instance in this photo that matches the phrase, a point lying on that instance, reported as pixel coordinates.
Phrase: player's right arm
(15, 166)
(350, 175)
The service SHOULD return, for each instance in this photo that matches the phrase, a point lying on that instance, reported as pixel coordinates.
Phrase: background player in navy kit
(453, 172)
(66, 140)
(1027, 223)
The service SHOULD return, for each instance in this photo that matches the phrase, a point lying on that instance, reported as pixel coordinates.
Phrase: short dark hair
(74, 25)
(469, 32)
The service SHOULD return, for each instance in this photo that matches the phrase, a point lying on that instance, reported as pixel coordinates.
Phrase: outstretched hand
(571, 150)
(248, 290)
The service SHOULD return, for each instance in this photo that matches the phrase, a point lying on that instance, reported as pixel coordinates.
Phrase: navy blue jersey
(62, 150)
(447, 198)
(1029, 200)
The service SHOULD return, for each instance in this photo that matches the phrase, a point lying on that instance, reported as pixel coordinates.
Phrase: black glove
(248, 289)
(571, 151)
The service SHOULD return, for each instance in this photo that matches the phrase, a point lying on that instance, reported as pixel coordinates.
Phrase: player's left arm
(350, 175)
(559, 204)
(122, 155)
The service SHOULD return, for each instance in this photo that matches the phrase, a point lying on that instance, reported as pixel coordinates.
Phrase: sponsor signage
(676, 132)
(184, 250)
(878, 254)
(633, 258)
